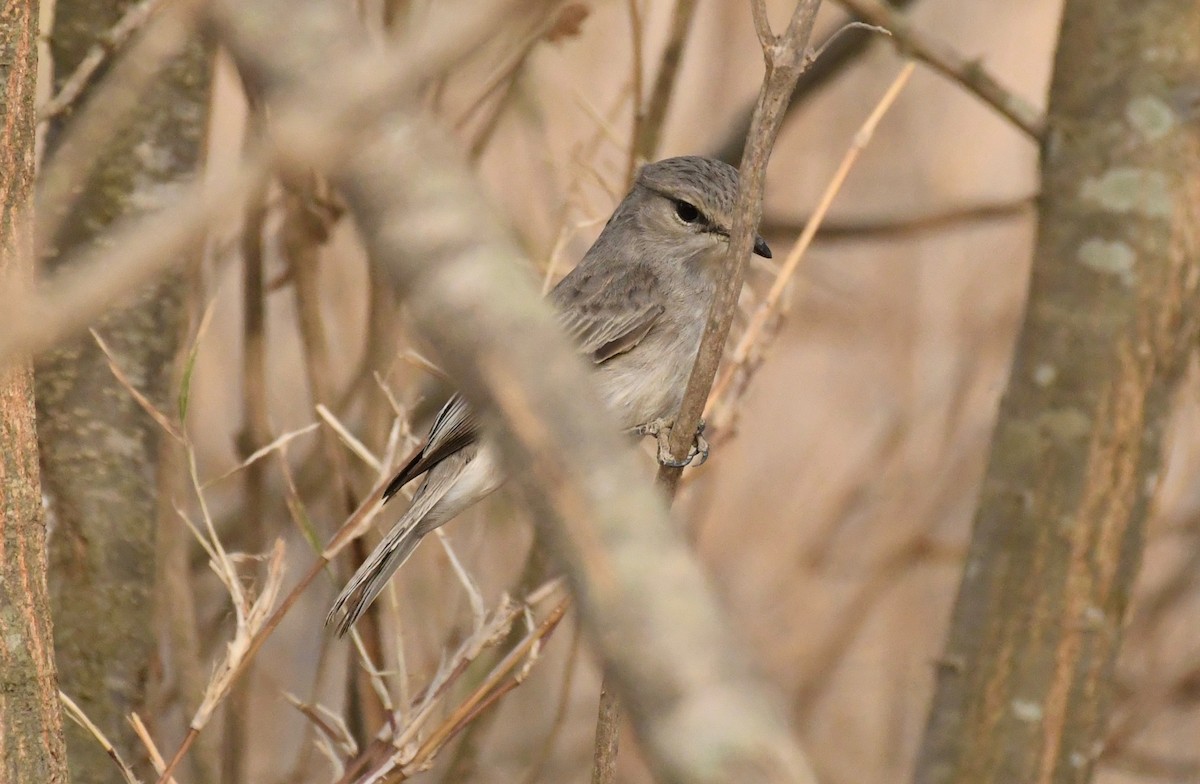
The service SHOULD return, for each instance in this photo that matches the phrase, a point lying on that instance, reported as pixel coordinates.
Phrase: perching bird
(636, 305)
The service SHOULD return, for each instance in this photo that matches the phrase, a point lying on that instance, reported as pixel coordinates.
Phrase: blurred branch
(869, 229)
(137, 250)
(1025, 688)
(838, 52)
(110, 41)
(945, 60)
(645, 143)
(637, 111)
(422, 217)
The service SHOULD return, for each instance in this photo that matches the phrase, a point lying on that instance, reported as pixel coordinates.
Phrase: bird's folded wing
(603, 326)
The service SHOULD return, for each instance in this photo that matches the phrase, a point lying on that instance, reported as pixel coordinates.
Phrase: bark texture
(1025, 682)
(31, 739)
(99, 449)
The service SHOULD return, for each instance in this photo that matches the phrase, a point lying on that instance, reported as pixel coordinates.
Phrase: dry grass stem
(493, 686)
(275, 446)
(750, 341)
(77, 715)
(151, 410)
(351, 442)
(143, 734)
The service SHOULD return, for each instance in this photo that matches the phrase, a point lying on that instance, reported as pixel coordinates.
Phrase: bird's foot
(661, 430)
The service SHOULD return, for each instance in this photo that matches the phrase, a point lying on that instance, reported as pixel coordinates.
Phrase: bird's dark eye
(687, 212)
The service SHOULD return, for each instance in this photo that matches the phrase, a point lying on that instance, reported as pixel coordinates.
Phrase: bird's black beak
(761, 247)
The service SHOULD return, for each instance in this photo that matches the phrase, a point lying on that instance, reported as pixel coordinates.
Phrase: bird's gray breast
(648, 382)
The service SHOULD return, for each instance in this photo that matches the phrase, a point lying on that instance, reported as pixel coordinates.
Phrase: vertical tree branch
(785, 57)
(31, 731)
(100, 449)
(1026, 677)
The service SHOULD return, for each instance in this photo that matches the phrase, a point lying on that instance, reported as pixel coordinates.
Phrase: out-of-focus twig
(637, 112)
(871, 229)
(138, 250)
(945, 60)
(110, 41)
(649, 132)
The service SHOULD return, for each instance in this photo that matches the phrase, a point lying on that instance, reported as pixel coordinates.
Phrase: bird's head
(687, 203)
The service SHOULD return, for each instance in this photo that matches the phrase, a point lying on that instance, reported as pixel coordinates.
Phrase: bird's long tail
(391, 553)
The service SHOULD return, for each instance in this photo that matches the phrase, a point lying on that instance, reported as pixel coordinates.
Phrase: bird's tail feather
(368, 582)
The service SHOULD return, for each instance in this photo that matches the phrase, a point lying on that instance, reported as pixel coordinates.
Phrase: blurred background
(834, 514)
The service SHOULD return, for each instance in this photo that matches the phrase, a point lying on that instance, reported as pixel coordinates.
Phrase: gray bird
(636, 306)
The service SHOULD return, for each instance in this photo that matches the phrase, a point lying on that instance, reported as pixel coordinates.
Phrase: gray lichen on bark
(1027, 674)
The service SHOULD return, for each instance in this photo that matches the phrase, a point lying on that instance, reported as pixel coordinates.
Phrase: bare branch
(865, 229)
(786, 59)
(946, 61)
(837, 53)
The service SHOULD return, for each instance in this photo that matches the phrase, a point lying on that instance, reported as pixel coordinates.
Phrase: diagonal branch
(424, 221)
(945, 60)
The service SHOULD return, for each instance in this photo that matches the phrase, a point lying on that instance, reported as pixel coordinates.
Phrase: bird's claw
(661, 430)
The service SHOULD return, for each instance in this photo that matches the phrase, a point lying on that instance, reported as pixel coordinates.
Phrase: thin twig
(106, 43)
(608, 733)
(785, 57)
(637, 112)
(76, 713)
(868, 229)
(945, 60)
(836, 57)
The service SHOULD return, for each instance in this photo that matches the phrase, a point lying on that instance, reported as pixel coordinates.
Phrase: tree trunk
(31, 732)
(1024, 685)
(100, 451)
